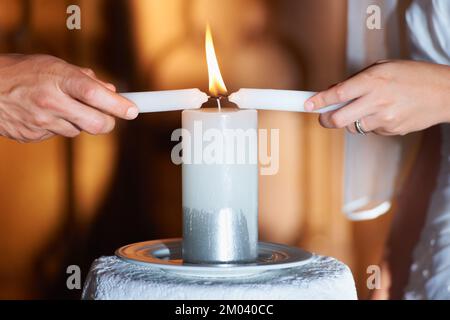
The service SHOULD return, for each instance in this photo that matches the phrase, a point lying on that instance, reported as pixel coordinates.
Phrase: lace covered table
(322, 278)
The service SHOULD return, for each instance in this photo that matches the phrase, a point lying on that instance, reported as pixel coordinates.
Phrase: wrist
(443, 95)
(446, 97)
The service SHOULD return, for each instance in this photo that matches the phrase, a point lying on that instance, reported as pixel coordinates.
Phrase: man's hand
(390, 98)
(42, 96)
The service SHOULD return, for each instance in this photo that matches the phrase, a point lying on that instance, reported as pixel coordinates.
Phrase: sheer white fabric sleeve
(429, 30)
(371, 162)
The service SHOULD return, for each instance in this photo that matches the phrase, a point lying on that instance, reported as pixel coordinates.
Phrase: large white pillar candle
(169, 100)
(220, 187)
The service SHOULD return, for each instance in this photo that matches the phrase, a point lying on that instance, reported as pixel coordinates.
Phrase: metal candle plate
(167, 256)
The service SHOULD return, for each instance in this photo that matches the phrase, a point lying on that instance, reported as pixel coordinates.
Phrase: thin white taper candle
(169, 100)
(281, 100)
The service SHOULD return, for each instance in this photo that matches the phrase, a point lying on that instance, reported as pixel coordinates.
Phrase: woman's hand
(42, 96)
(389, 98)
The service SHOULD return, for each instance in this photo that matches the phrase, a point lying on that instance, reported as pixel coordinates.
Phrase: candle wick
(218, 103)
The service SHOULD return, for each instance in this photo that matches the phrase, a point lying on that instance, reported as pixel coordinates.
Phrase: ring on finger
(359, 128)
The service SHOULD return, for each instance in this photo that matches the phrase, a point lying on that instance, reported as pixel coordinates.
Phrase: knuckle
(382, 103)
(383, 72)
(97, 126)
(340, 92)
(44, 100)
(110, 126)
(88, 92)
(41, 99)
(45, 103)
(337, 121)
(88, 71)
(322, 121)
(351, 129)
(388, 117)
(42, 120)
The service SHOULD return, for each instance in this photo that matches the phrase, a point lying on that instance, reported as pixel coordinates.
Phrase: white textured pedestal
(322, 278)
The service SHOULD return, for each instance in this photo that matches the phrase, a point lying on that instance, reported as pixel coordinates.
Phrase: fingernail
(309, 106)
(132, 113)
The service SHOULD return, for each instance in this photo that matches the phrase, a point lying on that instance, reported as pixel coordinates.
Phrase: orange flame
(216, 84)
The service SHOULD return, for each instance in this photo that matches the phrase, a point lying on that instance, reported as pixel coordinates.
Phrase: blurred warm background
(66, 202)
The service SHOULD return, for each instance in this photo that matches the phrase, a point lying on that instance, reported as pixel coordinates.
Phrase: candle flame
(216, 84)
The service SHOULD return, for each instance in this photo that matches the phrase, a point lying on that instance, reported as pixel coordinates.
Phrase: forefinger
(345, 91)
(94, 94)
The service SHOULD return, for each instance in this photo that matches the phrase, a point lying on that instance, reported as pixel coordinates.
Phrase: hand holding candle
(42, 96)
(389, 98)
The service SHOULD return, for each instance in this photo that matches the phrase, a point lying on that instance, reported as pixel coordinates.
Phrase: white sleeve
(372, 162)
(429, 29)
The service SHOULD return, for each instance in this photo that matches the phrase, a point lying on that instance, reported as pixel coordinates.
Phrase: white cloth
(367, 193)
(110, 278)
(429, 26)
(429, 29)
